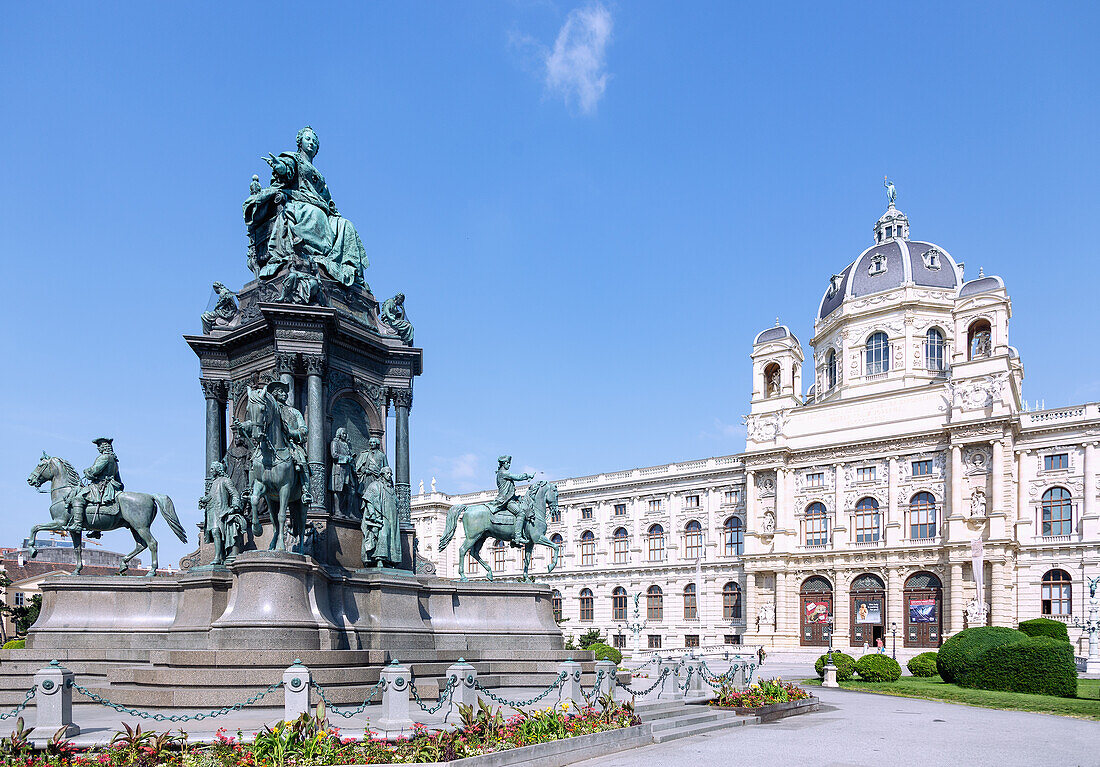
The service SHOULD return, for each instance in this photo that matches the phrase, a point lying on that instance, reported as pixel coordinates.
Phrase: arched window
(618, 604)
(878, 353)
(830, 369)
(735, 537)
(867, 521)
(1057, 512)
(979, 340)
(586, 604)
(772, 380)
(499, 554)
(922, 516)
(655, 604)
(817, 525)
(691, 605)
(620, 546)
(557, 540)
(555, 603)
(934, 350)
(588, 548)
(656, 543)
(731, 602)
(1056, 593)
(693, 540)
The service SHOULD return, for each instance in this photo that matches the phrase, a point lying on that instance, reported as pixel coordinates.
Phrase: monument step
(684, 718)
(702, 728)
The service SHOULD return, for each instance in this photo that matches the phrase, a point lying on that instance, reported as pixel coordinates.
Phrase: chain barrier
(660, 678)
(175, 717)
(519, 703)
(591, 696)
(348, 714)
(687, 679)
(444, 695)
(23, 705)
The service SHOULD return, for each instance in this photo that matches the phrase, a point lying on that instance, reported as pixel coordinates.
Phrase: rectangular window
(691, 640)
(922, 468)
(19, 599)
(620, 509)
(586, 608)
(656, 546)
(693, 544)
(865, 474)
(619, 641)
(555, 515)
(1056, 599)
(621, 548)
(867, 525)
(588, 553)
(655, 505)
(817, 528)
(654, 641)
(498, 557)
(691, 501)
(732, 497)
(691, 608)
(586, 513)
(732, 639)
(1056, 461)
(816, 479)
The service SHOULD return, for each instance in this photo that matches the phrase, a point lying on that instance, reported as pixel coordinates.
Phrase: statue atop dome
(296, 216)
(891, 192)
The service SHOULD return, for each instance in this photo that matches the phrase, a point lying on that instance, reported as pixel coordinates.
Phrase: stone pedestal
(830, 676)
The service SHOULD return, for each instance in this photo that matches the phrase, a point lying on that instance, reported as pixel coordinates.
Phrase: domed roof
(777, 333)
(888, 265)
(981, 285)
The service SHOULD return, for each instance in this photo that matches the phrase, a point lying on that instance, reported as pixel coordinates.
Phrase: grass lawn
(1085, 706)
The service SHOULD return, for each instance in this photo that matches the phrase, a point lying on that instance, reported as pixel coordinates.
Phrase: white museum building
(862, 502)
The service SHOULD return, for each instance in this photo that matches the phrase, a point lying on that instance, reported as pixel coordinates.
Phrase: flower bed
(766, 692)
(311, 740)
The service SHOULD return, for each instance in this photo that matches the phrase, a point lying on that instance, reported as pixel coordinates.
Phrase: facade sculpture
(224, 311)
(371, 463)
(296, 215)
(223, 524)
(392, 312)
(237, 462)
(302, 285)
(977, 504)
(342, 479)
(381, 526)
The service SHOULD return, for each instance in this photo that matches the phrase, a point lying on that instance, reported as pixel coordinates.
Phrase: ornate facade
(864, 504)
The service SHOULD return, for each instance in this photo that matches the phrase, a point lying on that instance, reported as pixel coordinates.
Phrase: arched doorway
(816, 598)
(868, 610)
(923, 600)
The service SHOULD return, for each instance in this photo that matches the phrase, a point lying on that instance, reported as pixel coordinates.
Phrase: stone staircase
(676, 719)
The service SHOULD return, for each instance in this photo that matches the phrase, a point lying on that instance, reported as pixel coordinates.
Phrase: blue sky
(592, 208)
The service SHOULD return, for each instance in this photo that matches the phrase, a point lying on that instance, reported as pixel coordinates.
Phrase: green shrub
(589, 638)
(878, 668)
(1045, 627)
(923, 664)
(1038, 665)
(963, 649)
(606, 652)
(845, 666)
(15, 644)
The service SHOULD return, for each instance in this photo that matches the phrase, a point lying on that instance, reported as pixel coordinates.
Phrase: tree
(26, 615)
(589, 638)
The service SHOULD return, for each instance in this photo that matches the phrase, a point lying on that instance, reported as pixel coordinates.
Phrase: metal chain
(518, 703)
(176, 717)
(348, 714)
(444, 695)
(591, 696)
(660, 678)
(21, 706)
(687, 679)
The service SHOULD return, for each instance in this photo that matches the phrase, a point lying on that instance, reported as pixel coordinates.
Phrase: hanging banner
(922, 610)
(817, 612)
(869, 611)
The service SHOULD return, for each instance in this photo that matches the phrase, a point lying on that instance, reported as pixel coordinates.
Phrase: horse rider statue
(104, 483)
(294, 426)
(507, 500)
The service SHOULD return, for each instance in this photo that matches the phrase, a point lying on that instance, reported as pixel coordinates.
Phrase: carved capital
(315, 364)
(214, 388)
(401, 397)
(285, 362)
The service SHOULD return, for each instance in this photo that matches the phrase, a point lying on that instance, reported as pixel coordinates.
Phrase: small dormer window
(889, 232)
(878, 264)
(931, 259)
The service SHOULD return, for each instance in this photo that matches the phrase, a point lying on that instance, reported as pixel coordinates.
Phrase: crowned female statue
(296, 215)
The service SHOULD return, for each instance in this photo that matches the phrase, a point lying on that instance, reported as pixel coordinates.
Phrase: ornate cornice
(314, 363)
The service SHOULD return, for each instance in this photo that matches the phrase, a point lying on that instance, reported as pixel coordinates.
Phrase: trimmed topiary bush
(1038, 665)
(845, 666)
(1045, 627)
(923, 664)
(878, 668)
(963, 649)
(15, 644)
(606, 652)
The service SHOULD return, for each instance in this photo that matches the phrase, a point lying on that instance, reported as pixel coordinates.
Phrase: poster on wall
(869, 611)
(922, 610)
(817, 612)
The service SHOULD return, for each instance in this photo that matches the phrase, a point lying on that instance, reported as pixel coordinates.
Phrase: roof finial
(891, 192)
(981, 272)
(777, 321)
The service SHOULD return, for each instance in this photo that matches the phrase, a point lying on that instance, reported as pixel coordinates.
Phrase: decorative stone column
(956, 481)
(216, 392)
(996, 500)
(781, 606)
(955, 600)
(1089, 514)
(315, 419)
(402, 401)
(284, 367)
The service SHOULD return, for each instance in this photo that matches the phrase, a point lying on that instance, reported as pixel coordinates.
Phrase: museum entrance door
(922, 600)
(868, 610)
(816, 598)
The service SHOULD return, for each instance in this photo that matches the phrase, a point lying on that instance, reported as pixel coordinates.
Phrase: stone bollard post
(53, 702)
(394, 718)
(297, 691)
(670, 684)
(464, 693)
(695, 685)
(738, 677)
(607, 682)
(570, 690)
(830, 676)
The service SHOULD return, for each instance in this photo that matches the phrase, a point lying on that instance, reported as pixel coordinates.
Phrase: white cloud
(576, 67)
(463, 467)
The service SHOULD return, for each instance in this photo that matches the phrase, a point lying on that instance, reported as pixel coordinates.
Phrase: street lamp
(828, 629)
(894, 631)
